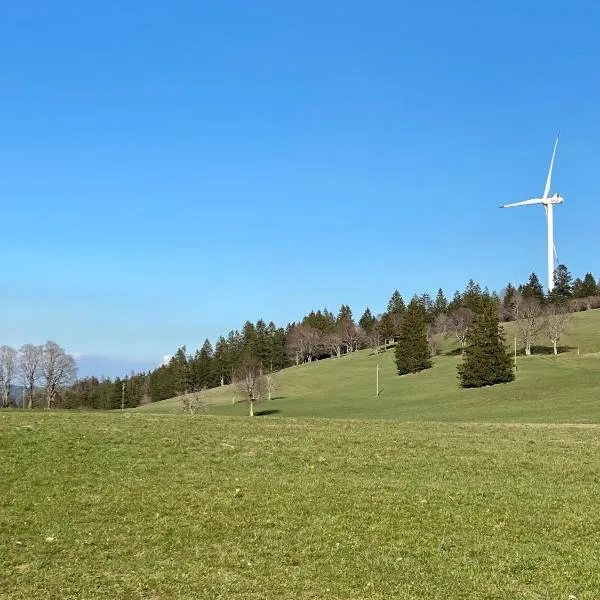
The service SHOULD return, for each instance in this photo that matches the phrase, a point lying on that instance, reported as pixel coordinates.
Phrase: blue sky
(169, 170)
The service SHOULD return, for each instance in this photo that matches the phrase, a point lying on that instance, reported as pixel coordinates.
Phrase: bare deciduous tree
(556, 322)
(58, 370)
(193, 403)
(333, 342)
(8, 366)
(349, 335)
(442, 324)
(433, 340)
(30, 358)
(528, 313)
(270, 384)
(304, 342)
(459, 322)
(250, 382)
(373, 339)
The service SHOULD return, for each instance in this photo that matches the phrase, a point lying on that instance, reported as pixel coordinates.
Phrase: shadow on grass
(267, 412)
(546, 350)
(454, 352)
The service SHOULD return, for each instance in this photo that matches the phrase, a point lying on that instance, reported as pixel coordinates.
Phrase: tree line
(44, 373)
(261, 348)
(475, 321)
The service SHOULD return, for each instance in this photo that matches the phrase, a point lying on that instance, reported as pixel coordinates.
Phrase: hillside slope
(547, 389)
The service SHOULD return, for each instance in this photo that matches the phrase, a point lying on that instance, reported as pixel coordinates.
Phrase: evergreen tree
(428, 306)
(441, 304)
(563, 285)
(180, 372)
(412, 349)
(219, 361)
(344, 314)
(203, 367)
(386, 328)
(456, 302)
(277, 348)
(367, 321)
(485, 361)
(472, 297)
(533, 289)
(586, 288)
(396, 304)
(509, 302)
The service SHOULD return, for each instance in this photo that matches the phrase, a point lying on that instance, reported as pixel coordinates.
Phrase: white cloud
(166, 359)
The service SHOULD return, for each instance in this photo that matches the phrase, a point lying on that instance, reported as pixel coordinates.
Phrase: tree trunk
(554, 342)
(251, 408)
(528, 349)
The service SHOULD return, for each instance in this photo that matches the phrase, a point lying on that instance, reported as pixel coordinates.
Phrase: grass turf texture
(547, 388)
(140, 506)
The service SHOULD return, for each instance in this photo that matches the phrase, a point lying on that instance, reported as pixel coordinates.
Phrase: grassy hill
(548, 388)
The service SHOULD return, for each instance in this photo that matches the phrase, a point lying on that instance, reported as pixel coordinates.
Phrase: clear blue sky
(170, 169)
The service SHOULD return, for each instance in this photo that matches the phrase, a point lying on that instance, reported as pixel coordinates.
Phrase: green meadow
(426, 491)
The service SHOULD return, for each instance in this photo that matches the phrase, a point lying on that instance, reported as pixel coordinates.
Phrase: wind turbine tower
(548, 203)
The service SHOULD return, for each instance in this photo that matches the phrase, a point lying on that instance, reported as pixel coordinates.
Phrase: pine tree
(509, 302)
(441, 304)
(396, 304)
(533, 289)
(180, 370)
(485, 361)
(563, 285)
(203, 368)
(412, 350)
(367, 321)
(585, 288)
(428, 306)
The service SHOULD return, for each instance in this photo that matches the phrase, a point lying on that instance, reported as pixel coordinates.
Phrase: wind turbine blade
(556, 255)
(524, 203)
(549, 178)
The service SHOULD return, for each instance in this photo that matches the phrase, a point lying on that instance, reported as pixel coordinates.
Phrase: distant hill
(547, 388)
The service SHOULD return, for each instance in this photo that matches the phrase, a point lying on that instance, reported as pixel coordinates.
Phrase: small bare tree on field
(349, 334)
(58, 370)
(432, 340)
(271, 384)
(529, 323)
(8, 367)
(459, 322)
(442, 324)
(303, 343)
(30, 359)
(333, 342)
(193, 403)
(250, 382)
(556, 322)
(373, 339)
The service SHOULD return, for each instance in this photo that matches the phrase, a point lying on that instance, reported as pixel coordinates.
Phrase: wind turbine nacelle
(556, 199)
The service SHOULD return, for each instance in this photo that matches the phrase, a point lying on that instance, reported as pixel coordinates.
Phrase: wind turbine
(548, 202)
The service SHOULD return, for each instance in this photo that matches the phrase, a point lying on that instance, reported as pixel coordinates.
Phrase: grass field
(547, 389)
(140, 506)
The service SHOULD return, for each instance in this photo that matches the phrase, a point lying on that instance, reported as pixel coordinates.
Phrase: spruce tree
(485, 361)
(533, 289)
(367, 321)
(412, 350)
(509, 302)
(563, 285)
(441, 304)
(396, 304)
(585, 288)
